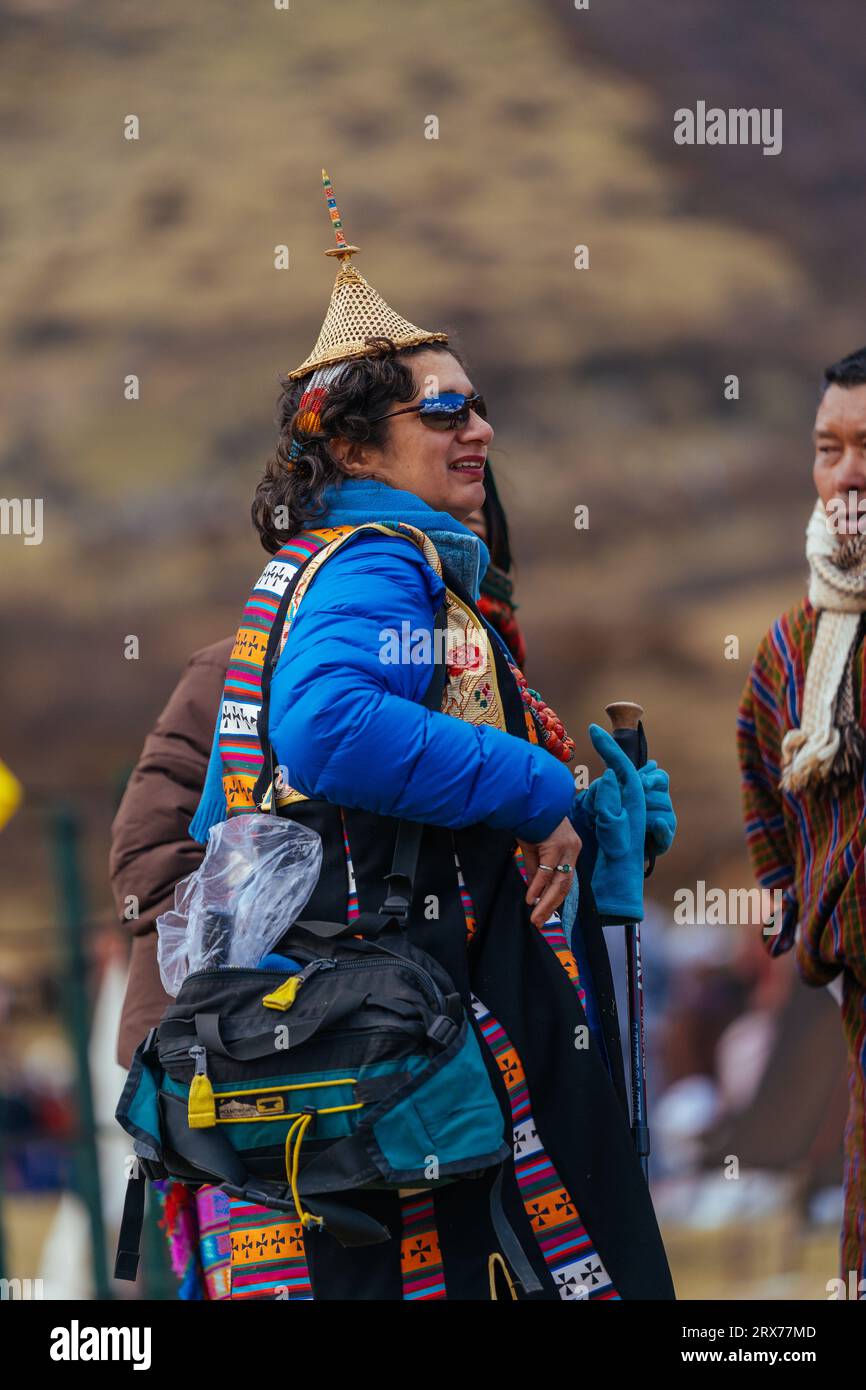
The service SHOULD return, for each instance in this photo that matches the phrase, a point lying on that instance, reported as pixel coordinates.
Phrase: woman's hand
(550, 889)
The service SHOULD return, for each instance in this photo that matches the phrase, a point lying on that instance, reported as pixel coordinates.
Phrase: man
(801, 741)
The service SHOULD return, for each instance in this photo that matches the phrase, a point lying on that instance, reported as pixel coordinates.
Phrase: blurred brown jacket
(151, 848)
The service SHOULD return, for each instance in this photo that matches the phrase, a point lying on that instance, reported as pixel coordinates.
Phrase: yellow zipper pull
(201, 1113)
(284, 997)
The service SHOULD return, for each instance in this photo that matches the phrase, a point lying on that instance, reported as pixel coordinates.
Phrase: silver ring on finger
(545, 869)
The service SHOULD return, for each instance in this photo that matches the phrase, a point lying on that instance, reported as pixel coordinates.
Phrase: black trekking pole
(627, 729)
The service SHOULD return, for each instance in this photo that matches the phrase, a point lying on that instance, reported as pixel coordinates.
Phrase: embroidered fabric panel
(215, 1249)
(420, 1257)
(267, 1258)
(562, 1237)
(239, 746)
(472, 688)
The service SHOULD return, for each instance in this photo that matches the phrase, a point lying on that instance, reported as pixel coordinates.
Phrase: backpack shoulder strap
(263, 791)
(400, 880)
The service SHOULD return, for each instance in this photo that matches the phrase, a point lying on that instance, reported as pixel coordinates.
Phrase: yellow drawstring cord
(293, 1159)
(493, 1261)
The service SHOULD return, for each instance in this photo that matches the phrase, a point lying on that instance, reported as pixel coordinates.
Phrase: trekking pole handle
(623, 714)
(627, 729)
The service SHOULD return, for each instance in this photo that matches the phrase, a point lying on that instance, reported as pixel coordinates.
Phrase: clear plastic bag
(256, 877)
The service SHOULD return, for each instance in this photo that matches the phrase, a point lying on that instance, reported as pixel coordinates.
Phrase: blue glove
(661, 823)
(616, 805)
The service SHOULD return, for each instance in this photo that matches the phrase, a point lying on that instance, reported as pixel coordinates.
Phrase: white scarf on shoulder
(829, 744)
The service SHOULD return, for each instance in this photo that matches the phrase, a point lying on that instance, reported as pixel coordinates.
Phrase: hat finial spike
(342, 249)
(357, 316)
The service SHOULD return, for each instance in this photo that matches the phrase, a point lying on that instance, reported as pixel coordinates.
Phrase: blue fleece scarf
(354, 501)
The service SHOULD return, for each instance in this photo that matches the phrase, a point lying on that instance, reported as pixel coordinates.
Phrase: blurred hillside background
(156, 257)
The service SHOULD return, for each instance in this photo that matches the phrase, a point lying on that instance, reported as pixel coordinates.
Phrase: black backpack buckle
(443, 1030)
(398, 901)
(398, 908)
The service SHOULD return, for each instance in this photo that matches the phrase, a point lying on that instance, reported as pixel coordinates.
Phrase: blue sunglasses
(447, 411)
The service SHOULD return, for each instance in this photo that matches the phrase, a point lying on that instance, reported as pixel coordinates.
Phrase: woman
(381, 459)
(151, 850)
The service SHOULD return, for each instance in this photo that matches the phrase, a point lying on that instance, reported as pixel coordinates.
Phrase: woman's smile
(470, 464)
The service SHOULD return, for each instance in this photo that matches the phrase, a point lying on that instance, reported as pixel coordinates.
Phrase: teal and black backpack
(349, 1063)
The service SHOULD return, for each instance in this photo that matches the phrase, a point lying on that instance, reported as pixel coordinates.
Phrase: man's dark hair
(849, 371)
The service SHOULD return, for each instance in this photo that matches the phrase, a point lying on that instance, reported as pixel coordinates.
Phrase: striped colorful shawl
(239, 745)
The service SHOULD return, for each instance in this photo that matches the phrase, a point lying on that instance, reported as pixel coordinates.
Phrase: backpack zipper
(324, 962)
(285, 995)
(397, 962)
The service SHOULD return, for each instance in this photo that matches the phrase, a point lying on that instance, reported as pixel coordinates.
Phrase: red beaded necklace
(549, 727)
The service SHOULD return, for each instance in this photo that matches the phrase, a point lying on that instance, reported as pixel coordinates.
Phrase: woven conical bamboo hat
(356, 310)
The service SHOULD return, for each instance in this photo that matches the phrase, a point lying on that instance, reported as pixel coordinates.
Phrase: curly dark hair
(289, 499)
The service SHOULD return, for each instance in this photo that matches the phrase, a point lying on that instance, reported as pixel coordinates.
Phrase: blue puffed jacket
(348, 726)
